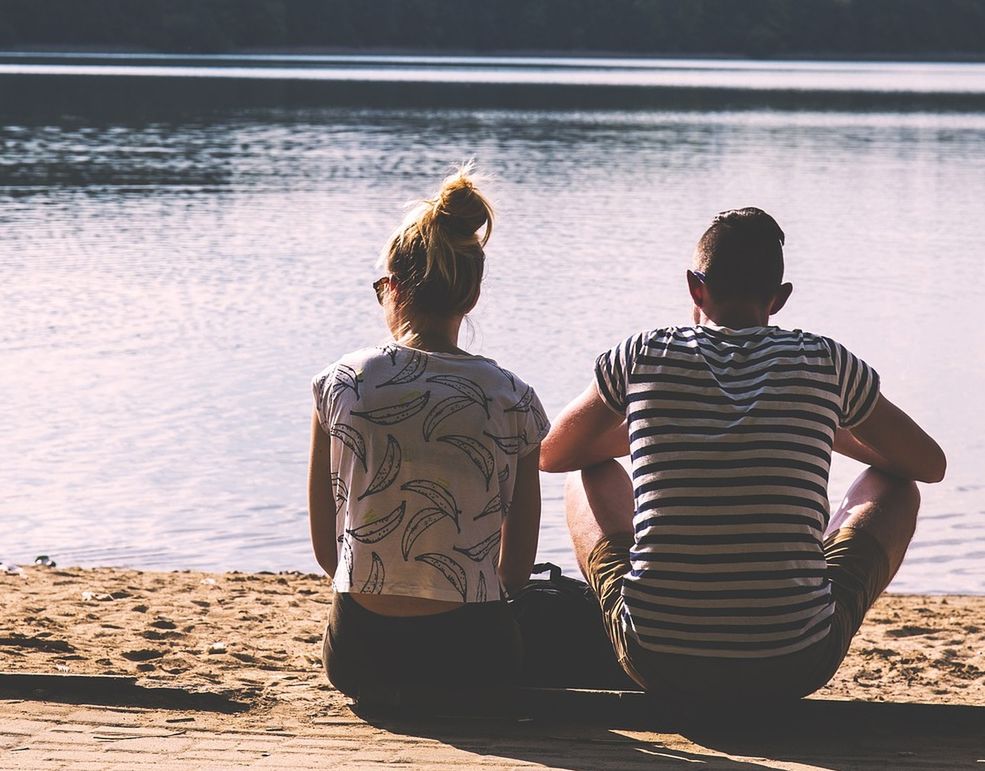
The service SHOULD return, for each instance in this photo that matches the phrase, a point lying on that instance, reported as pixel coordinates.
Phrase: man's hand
(585, 433)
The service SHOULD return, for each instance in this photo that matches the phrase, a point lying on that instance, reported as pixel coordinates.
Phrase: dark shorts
(476, 644)
(858, 570)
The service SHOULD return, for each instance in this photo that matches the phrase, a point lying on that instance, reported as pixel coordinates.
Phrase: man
(719, 570)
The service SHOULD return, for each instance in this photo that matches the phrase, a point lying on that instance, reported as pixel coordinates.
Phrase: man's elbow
(554, 465)
(936, 468)
(552, 460)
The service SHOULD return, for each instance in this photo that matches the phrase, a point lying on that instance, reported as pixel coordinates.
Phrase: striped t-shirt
(731, 434)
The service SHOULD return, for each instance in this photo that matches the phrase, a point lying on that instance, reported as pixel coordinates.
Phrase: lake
(185, 242)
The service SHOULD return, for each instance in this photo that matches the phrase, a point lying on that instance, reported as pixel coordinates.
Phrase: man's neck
(733, 319)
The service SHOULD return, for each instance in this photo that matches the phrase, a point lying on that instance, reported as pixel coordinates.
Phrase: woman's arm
(521, 527)
(321, 499)
(585, 433)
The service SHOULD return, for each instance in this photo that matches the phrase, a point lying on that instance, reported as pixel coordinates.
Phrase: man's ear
(697, 289)
(781, 297)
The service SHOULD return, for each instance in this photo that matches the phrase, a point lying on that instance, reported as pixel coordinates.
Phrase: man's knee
(911, 494)
(900, 504)
(573, 485)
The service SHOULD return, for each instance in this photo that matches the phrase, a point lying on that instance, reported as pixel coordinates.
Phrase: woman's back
(423, 488)
(424, 452)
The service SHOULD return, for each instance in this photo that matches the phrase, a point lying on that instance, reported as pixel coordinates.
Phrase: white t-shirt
(424, 450)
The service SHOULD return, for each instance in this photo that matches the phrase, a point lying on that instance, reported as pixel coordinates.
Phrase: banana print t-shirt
(424, 450)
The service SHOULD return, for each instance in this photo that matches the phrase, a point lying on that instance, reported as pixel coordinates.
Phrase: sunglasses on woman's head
(378, 286)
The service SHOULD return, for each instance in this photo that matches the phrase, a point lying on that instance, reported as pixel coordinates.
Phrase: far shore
(943, 57)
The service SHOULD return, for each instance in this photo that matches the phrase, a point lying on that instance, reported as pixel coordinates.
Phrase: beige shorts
(858, 570)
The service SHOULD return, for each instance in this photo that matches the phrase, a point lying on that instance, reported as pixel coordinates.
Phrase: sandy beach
(255, 640)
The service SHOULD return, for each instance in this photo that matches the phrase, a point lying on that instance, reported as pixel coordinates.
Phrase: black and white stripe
(730, 437)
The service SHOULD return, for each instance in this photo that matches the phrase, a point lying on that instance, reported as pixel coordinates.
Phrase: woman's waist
(394, 605)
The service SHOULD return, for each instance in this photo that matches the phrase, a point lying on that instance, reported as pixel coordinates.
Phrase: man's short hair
(741, 255)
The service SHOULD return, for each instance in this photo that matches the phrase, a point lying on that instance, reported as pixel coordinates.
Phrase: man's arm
(585, 433)
(321, 499)
(891, 441)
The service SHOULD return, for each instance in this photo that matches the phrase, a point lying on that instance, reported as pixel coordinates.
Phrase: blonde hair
(437, 256)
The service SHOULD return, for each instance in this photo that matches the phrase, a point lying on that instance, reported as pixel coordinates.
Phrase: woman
(424, 494)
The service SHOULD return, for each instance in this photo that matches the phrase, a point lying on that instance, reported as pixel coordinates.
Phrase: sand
(256, 639)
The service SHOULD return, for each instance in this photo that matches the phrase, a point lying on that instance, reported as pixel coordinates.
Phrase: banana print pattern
(352, 439)
(442, 411)
(511, 445)
(480, 592)
(388, 470)
(448, 568)
(347, 560)
(347, 377)
(476, 452)
(410, 372)
(439, 495)
(391, 411)
(509, 376)
(377, 576)
(321, 396)
(341, 491)
(495, 506)
(481, 550)
(523, 405)
(380, 528)
(420, 522)
(465, 387)
(395, 413)
(391, 351)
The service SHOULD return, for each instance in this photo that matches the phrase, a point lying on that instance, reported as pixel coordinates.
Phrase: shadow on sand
(622, 729)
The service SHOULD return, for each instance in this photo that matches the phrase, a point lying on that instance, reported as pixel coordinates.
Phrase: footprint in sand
(143, 654)
(153, 634)
(909, 630)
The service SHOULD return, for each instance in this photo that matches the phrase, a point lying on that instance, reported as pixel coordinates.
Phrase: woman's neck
(438, 336)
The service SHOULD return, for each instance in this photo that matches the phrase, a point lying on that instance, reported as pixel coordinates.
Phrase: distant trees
(919, 28)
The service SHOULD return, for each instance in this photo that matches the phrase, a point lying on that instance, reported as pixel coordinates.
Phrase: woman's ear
(475, 301)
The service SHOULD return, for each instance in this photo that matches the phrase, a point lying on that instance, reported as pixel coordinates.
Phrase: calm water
(172, 275)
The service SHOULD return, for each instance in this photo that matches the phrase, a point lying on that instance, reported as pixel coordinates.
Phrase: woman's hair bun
(437, 255)
(460, 208)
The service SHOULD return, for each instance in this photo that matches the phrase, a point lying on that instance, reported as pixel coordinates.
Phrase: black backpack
(564, 640)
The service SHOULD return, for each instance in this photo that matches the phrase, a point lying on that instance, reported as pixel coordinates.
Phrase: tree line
(849, 28)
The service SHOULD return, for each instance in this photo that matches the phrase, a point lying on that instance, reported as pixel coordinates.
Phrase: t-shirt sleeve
(321, 388)
(612, 370)
(535, 423)
(858, 385)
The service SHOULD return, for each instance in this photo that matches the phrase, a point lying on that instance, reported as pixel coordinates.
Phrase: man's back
(709, 565)
(731, 435)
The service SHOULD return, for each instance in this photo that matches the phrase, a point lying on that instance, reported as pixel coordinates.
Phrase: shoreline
(224, 670)
(256, 637)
